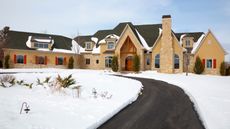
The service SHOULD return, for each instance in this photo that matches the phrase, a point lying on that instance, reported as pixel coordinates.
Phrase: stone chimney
(166, 53)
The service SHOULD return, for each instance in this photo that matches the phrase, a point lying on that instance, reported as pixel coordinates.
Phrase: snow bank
(209, 93)
(61, 110)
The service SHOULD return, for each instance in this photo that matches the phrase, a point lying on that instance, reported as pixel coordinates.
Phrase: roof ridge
(188, 32)
(35, 33)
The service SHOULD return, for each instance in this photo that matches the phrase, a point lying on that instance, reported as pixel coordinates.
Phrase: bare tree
(3, 40)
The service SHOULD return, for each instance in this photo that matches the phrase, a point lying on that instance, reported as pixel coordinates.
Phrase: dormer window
(110, 45)
(88, 45)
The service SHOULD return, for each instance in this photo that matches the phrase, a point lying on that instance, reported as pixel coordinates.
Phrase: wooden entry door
(129, 63)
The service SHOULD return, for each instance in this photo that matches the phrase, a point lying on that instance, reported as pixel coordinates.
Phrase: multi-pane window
(110, 45)
(87, 61)
(209, 63)
(87, 45)
(40, 45)
(187, 43)
(108, 61)
(20, 59)
(157, 61)
(176, 61)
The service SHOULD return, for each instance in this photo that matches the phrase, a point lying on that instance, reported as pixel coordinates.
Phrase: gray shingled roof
(148, 32)
(195, 35)
(17, 40)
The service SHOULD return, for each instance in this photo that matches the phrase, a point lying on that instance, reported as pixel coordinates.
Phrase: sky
(85, 17)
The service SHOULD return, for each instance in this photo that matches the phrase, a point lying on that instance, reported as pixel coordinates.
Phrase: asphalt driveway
(161, 106)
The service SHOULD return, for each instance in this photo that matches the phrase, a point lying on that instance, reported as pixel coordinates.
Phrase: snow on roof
(197, 44)
(144, 43)
(94, 39)
(63, 51)
(181, 37)
(113, 36)
(160, 31)
(42, 40)
(102, 41)
(28, 42)
(43, 49)
(96, 50)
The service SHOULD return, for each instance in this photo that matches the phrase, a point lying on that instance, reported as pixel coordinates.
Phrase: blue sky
(68, 17)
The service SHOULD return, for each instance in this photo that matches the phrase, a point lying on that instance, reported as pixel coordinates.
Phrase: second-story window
(88, 45)
(110, 45)
(41, 45)
(187, 43)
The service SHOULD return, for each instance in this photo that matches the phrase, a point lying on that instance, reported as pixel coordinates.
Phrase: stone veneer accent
(166, 52)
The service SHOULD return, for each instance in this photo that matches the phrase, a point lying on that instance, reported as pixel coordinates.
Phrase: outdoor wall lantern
(26, 107)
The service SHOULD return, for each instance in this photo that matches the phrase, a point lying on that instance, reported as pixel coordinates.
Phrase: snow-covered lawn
(211, 95)
(61, 110)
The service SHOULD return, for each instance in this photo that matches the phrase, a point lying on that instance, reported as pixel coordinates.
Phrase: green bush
(115, 64)
(65, 82)
(199, 67)
(71, 62)
(136, 63)
(223, 69)
(6, 61)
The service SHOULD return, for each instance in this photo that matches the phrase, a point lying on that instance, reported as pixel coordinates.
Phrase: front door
(129, 63)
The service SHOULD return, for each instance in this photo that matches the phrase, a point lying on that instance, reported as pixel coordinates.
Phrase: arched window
(157, 61)
(176, 61)
(108, 61)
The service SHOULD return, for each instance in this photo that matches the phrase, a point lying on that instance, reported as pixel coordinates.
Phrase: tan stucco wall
(177, 49)
(211, 49)
(30, 58)
(156, 50)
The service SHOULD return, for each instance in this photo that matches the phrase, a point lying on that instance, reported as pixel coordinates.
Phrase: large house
(157, 45)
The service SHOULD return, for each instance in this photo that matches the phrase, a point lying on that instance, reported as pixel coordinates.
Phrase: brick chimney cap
(166, 16)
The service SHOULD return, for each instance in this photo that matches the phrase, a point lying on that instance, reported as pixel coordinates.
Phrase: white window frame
(88, 45)
(208, 65)
(110, 43)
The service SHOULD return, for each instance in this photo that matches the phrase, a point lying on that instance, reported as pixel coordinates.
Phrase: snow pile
(210, 94)
(144, 43)
(197, 44)
(63, 110)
